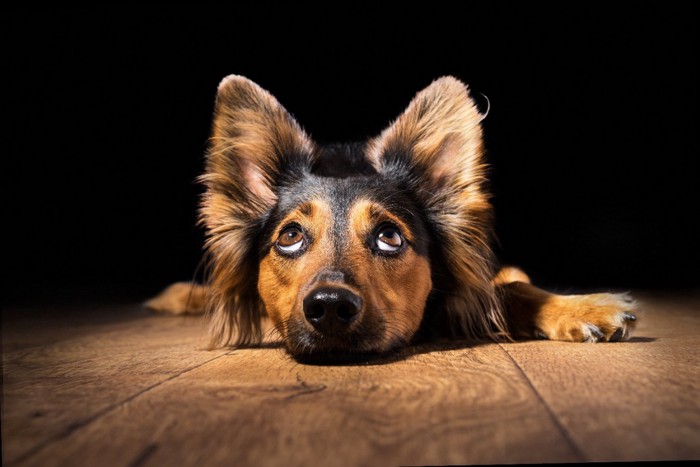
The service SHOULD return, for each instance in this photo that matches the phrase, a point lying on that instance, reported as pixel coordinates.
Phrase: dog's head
(343, 246)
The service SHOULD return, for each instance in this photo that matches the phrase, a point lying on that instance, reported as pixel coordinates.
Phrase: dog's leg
(180, 298)
(534, 313)
(190, 298)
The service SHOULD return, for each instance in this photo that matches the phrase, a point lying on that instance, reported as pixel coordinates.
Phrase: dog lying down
(358, 249)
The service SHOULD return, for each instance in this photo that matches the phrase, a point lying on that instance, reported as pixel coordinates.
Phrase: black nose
(331, 310)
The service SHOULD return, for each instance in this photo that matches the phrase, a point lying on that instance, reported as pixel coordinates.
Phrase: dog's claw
(595, 333)
(592, 318)
(617, 335)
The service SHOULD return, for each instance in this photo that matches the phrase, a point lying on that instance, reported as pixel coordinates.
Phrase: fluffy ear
(437, 143)
(438, 138)
(256, 146)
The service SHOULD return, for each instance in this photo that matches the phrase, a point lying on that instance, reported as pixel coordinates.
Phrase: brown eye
(290, 240)
(389, 239)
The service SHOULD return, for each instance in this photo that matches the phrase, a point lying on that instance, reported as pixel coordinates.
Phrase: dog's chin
(313, 348)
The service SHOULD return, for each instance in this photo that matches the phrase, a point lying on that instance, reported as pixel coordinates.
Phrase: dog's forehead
(340, 195)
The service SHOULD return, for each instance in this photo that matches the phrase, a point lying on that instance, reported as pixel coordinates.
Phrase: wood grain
(86, 366)
(629, 401)
(258, 406)
(134, 389)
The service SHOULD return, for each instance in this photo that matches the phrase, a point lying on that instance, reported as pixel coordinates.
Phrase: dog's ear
(438, 138)
(256, 146)
(437, 145)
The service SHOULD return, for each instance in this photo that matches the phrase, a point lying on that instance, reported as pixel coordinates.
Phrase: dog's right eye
(290, 241)
(389, 240)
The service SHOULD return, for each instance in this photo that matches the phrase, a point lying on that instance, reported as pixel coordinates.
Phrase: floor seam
(560, 427)
(99, 414)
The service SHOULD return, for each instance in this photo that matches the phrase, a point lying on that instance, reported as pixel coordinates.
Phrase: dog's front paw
(179, 298)
(588, 318)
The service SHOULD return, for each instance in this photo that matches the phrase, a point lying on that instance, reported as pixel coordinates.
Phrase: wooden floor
(115, 385)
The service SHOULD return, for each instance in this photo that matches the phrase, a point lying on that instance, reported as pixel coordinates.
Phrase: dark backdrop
(591, 133)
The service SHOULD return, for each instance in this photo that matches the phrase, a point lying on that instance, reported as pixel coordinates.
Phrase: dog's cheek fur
(277, 287)
(395, 288)
(255, 144)
(436, 144)
(399, 289)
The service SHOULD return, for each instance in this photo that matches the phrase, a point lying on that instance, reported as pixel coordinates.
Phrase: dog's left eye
(290, 240)
(389, 239)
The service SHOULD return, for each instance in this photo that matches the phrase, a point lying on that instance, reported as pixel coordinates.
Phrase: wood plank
(61, 371)
(257, 406)
(630, 401)
(121, 387)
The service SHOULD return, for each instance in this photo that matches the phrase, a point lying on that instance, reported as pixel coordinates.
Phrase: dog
(361, 249)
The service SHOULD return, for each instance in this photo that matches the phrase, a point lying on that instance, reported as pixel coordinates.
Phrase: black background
(591, 132)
